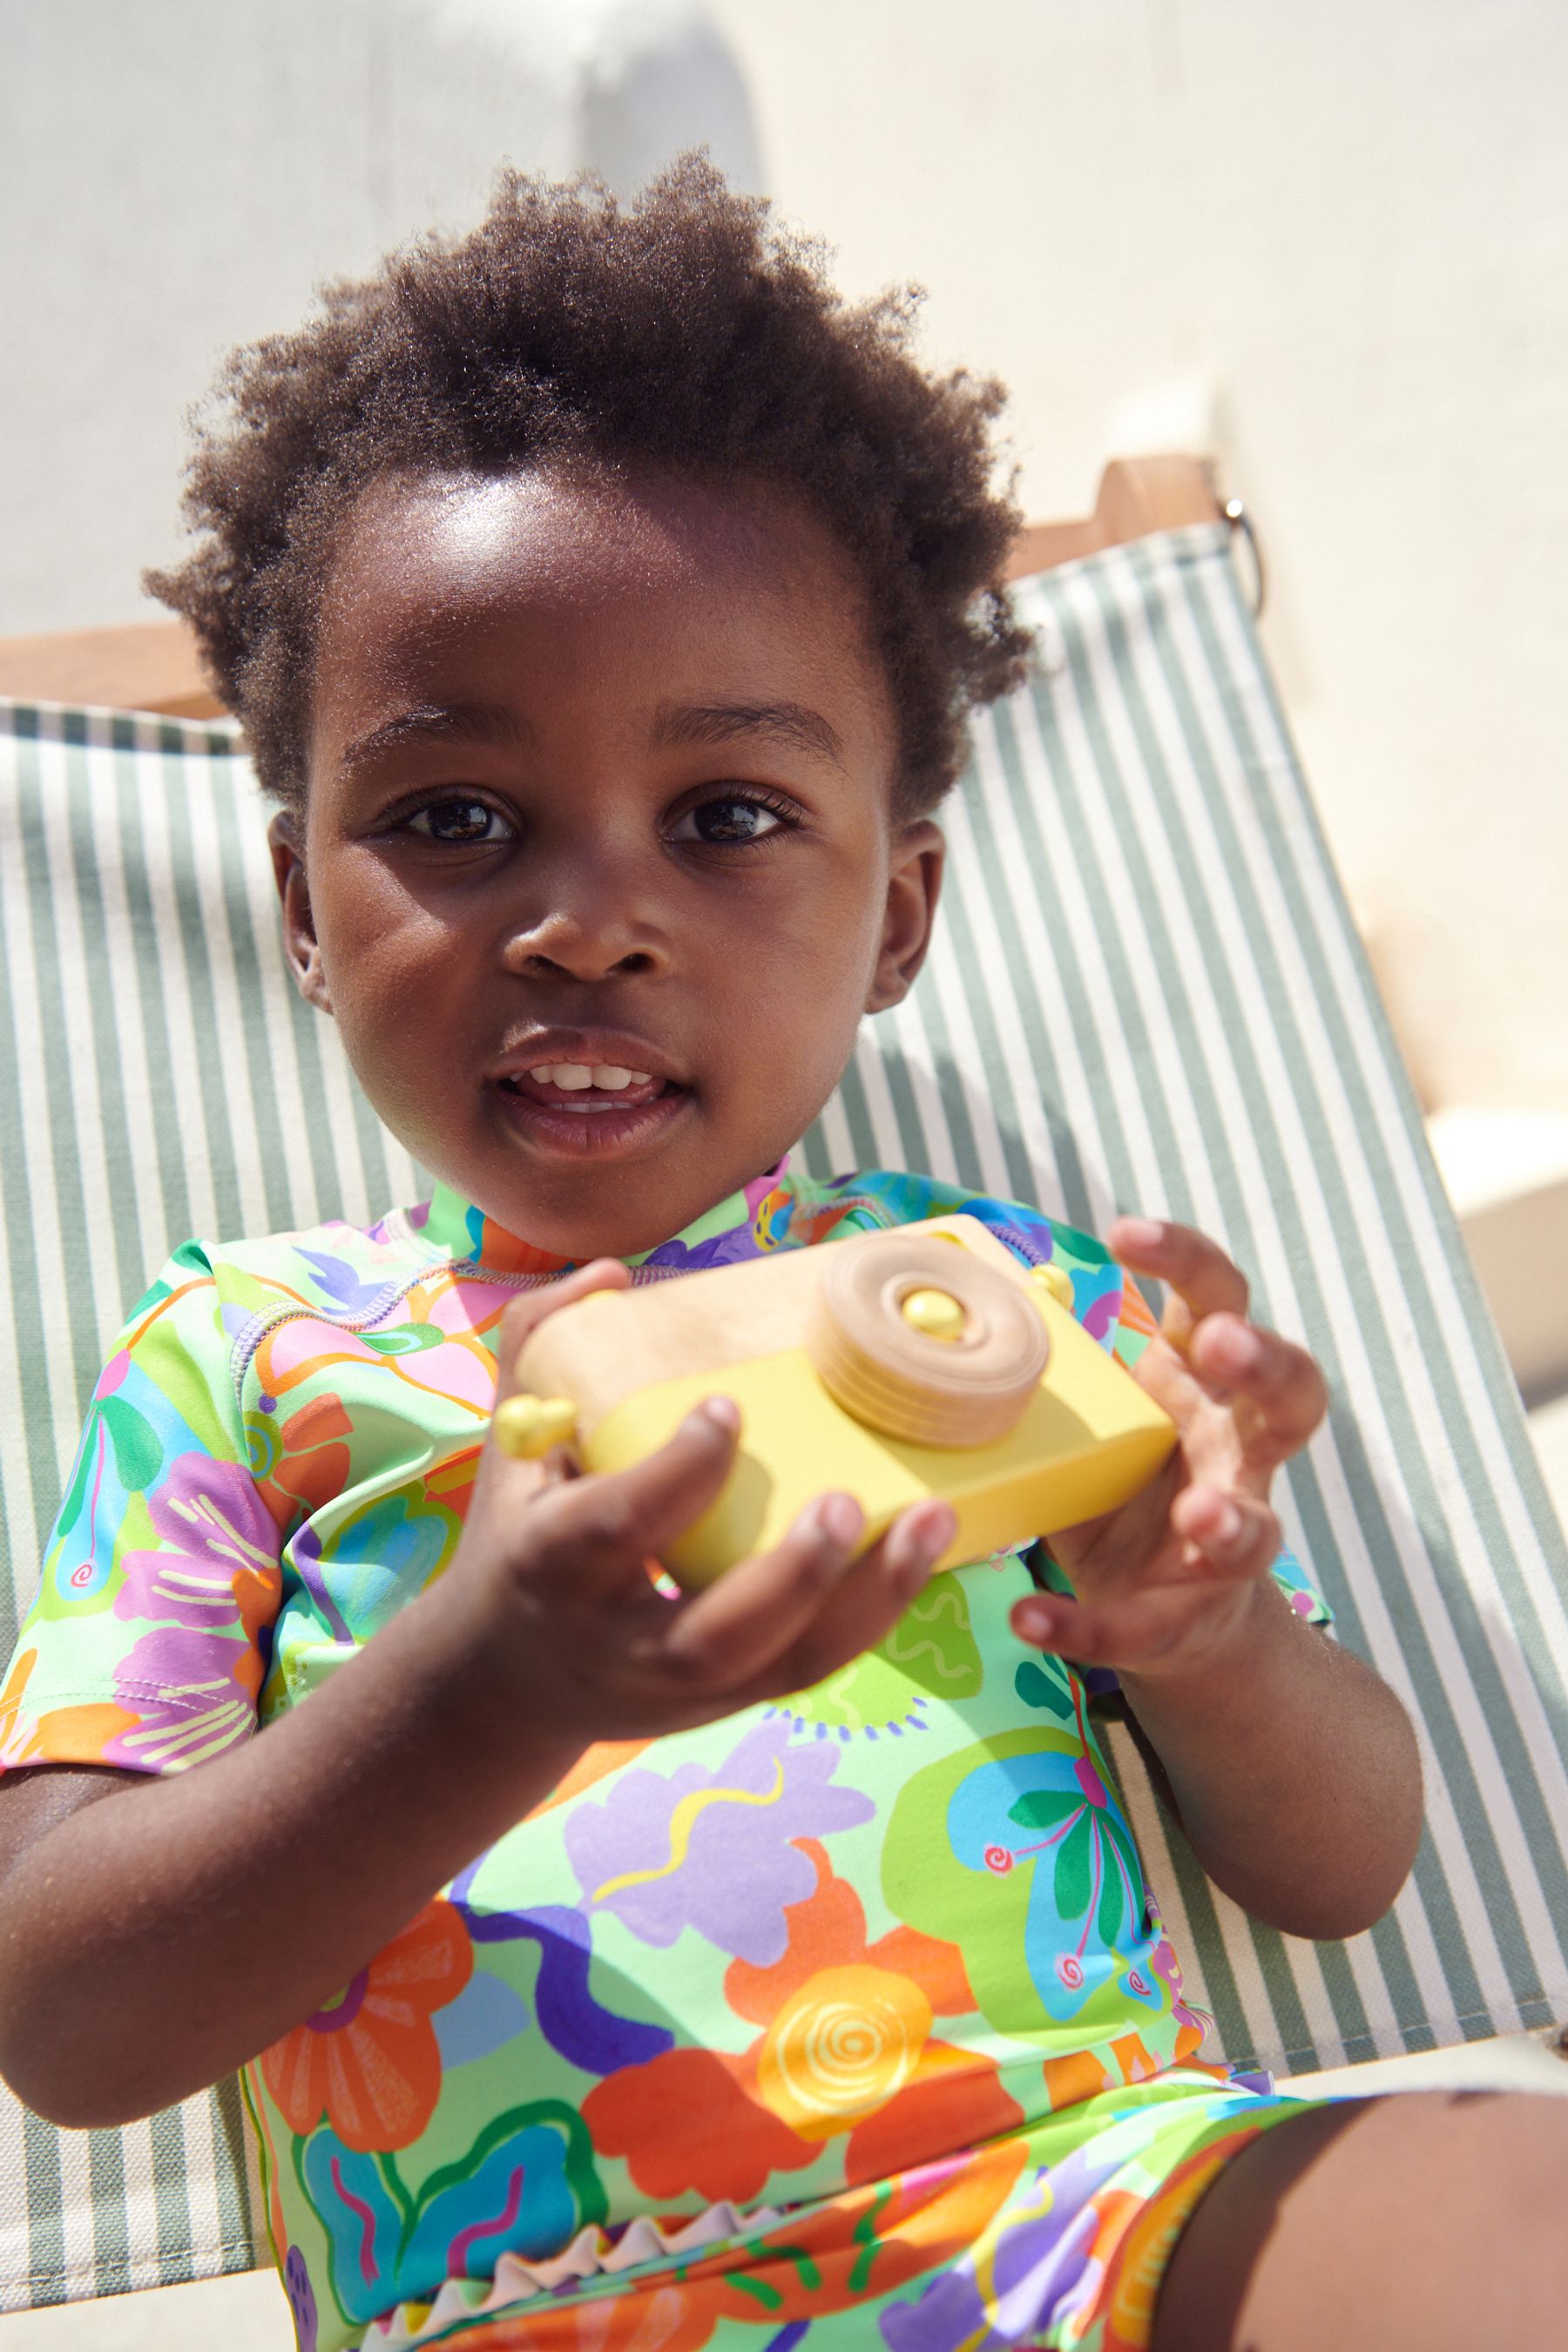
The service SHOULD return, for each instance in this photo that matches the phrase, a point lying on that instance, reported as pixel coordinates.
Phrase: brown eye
(459, 819)
(731, 818)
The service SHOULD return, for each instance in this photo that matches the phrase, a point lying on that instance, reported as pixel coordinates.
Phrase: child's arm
(1293, 1766)
(158, 1933)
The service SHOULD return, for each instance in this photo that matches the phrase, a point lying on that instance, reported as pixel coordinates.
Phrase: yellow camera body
(894, 1365)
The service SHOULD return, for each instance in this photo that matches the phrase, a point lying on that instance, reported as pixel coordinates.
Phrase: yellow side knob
(936, 1313)
(1056, 1281)
(528, 1426)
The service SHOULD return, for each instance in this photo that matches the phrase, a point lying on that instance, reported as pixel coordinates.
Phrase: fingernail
(723, 1412)
(839, 1517)
(1238, 1347)
(936, 1532)
(1035, 1621)
(1139, 1232)
(917, 1543)
(1227, 1524)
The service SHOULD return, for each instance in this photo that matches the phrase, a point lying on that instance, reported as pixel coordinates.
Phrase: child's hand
(586, 1647)
(1174, 1570)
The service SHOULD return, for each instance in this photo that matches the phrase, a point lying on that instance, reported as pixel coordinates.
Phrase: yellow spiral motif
(848, 2040)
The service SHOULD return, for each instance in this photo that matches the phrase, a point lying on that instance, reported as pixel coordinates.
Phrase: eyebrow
(441, 722)
(697, 722)
(721, 722)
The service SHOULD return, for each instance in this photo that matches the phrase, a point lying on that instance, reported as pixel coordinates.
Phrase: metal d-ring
(1235, 513)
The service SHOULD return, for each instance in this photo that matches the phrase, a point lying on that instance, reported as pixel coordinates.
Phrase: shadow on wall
(218, 164)
(660, 79)
(638, 80)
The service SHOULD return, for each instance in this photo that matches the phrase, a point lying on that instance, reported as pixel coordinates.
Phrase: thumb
(521, 1319)
(525, 1315)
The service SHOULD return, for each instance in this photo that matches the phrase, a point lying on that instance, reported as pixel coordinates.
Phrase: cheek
(788, 993)
(388, 963)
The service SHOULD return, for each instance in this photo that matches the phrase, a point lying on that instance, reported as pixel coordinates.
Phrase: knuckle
(814, 1566)
(614, 1517)
(1267, 1534)
(1293, 1381)
(519, 1312)
(692, 1662)
(517, 1321)
(551, 1528)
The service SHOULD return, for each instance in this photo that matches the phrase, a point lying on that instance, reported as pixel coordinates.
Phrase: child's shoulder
(332, 1269)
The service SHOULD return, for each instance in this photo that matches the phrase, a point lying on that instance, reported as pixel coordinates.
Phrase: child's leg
(1396, 2224)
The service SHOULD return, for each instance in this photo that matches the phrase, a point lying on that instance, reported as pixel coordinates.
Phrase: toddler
(602, 599)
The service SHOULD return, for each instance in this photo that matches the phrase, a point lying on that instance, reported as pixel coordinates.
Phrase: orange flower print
(819, 2260)
(847, 2051)
(369, 2059)
(303, 1460)
(668, 2317)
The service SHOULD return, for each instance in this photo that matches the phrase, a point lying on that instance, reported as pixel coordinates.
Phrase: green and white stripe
(1145, 994)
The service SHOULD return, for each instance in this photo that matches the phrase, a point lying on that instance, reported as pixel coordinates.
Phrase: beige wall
(1340, 231)
(1334, 237)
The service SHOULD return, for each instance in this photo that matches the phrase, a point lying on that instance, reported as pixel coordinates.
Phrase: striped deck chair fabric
(1145, 994)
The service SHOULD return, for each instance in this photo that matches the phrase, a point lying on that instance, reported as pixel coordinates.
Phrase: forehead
(602, 595)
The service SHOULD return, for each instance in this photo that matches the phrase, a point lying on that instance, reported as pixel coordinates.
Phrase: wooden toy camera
(893, 1365)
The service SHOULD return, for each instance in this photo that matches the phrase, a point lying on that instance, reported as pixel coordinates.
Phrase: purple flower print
(209, 1591)
(217, 1563)
(342, 1283)
(301, 2297)
(192, 1694)
(732, 1248)
(1037, 2261)
(712, 1849)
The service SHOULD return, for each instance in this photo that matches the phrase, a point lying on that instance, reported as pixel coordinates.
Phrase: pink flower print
(211, 1591)
(216, 1567)
(193, 1695)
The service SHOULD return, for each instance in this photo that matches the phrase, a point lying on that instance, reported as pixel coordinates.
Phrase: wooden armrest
(154, 664)
(1137, 495)
(149, 666)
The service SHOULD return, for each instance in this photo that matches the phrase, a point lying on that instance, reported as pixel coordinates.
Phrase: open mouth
(585, 1088)
(590, 1107)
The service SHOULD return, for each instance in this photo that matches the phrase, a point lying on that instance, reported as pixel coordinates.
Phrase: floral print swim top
(786, 1962)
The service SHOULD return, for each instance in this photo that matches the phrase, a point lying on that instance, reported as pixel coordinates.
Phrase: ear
(300, 943)
(914, 886)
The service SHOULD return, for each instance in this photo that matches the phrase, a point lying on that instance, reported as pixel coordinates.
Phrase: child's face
(600, 781)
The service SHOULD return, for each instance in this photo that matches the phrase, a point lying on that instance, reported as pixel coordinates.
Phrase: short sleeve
(149, 1638)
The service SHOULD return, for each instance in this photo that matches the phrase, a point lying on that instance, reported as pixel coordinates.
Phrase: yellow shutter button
(936, 1313)
(1056, 1280)
(527, 1427)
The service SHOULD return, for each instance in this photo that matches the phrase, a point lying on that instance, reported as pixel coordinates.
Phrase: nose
(597, 928)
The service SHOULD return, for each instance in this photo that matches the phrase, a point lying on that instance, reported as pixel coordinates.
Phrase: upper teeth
(574, 1076)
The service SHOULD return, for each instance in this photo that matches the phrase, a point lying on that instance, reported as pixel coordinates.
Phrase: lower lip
(606, 1134)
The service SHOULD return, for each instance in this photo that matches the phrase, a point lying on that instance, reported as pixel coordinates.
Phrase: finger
(867, 1603)
(1232, 1535)
(598, 1527)
(524, 1315)
(1200, 1278)
(1282, 1386)
(1133, 1633)
(744, 1626)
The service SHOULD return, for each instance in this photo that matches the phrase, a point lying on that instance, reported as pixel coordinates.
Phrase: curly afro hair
(686, 332)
